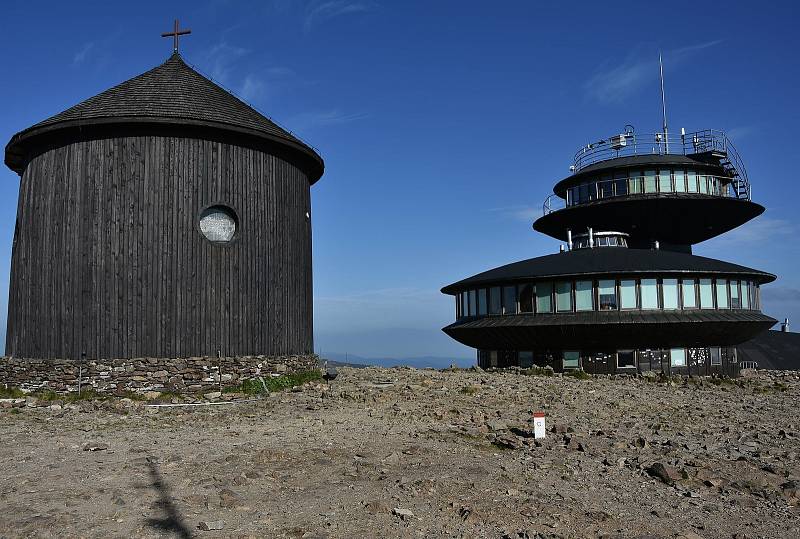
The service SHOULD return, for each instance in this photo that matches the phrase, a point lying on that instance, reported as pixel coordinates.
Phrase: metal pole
(663, 104)
(219, 368)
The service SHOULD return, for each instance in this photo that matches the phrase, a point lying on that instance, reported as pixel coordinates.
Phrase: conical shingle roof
(171, 93)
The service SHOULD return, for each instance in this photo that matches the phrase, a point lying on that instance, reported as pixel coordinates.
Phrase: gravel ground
(415, 453)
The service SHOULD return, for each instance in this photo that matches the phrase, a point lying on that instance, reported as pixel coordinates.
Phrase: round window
(218, 224)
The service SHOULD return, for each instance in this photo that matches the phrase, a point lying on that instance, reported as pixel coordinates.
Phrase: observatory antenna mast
(663, 104)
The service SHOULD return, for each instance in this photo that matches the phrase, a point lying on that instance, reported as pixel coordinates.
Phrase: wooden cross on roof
(174, 34)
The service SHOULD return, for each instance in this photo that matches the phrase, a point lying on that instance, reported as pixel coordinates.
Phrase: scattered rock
(404, 514)
(228, 498)
(95, 447)
(376, 507)
(209, 525)
(212, 395)
(667, 474)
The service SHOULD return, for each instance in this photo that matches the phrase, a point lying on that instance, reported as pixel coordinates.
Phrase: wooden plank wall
(109, 259)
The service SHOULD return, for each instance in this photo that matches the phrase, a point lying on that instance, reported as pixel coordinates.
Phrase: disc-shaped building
(161, 218)
(627, 295)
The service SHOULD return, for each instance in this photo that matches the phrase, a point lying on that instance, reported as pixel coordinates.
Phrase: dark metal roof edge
(454, 288)
(631, 161)
(16, 150)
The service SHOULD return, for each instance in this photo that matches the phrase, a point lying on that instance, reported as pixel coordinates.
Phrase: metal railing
(709, 141)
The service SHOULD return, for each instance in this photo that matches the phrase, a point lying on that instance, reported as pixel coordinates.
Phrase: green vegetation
(11, 393)
(578, 374)
(255, 386)
(539, 371)
(469, 390)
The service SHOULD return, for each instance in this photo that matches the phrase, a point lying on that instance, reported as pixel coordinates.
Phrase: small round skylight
(218, 224)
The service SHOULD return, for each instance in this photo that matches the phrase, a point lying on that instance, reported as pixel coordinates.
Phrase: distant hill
(421, 362)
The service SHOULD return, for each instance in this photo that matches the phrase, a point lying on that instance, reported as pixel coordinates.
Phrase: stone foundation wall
(145, 374)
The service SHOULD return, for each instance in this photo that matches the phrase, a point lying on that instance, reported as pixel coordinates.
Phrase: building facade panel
(109, 258)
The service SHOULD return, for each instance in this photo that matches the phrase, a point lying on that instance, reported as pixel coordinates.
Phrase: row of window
(623, 182)
(624, 359)
(608, 295)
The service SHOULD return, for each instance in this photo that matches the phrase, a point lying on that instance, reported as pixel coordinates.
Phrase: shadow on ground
(171, 521)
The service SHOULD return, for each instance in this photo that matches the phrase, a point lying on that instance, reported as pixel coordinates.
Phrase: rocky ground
(415, 453)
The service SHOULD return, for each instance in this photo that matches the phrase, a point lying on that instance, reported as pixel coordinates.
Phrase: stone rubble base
(146, 374)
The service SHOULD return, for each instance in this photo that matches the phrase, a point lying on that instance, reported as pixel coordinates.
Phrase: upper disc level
(681, 193)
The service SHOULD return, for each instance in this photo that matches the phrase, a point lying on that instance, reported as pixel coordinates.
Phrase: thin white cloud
(761, 230)
(252, 88)
(615, 84)
(321, 11)
(739, 132)
(81, 55)
(518, 213)
(308, 120)
(221, 58)
(780, 294)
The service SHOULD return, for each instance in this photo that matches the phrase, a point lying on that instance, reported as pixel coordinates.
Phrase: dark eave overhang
(34, 140)
(608, 261)
(635, 161)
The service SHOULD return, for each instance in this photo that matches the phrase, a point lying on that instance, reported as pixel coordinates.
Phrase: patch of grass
(780, 386)
(133, 395)
(11, 393)
(578, 374)
(169, 395)
(254, 386)
(88, 394)
(16, 411)
(538, 371)
(469, 390)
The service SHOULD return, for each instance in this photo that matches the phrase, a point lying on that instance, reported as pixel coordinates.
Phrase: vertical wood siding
(109, 259)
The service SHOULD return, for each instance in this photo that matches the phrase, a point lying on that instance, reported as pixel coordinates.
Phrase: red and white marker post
(538, 425)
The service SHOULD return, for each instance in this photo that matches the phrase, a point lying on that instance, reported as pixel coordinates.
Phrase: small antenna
(663, 104)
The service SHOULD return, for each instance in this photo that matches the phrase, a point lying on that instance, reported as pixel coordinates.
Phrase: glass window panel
(525, 298)
(691, 181)
(745, 294)
(649, 293)
(563, 296)
(583, 193)
(689, 296)
(706, 294)
(612, 241)
(592, 190)
(626, 359)
(627, 293)
(572, 360)
(716, 356)
(664, 181)
(473, 303)
(621, 183)
(525, 359)
(494, 300)
(722, 294)
(544, 299)
(703, 182)
(509, 300)
(605, 188)
(736, 302)
(482, 302)
(677, 357)
(635, 182)
(583, 295)
(680, 181)
(459, 303)
(607, 295)
(650, 183)
(670, 290)
(602, 241)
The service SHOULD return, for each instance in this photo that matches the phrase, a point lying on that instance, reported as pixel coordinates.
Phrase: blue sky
(443, 124)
